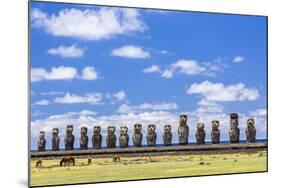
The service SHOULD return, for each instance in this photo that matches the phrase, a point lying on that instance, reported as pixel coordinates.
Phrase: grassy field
(130, 168)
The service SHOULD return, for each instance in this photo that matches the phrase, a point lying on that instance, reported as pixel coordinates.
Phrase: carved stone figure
(84, 138)
(55, 139)
(124, 137)
(183, 130)
(137, 137)
(41, 141)
(251, 130)
(111, 137)
(215, 132)
(97, 137)
(167, 136)
(151, 135)
(200, 133)
(69, 138)
(234, 132)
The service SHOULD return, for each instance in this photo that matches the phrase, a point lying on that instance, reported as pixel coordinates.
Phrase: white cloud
(56, 73)
(167, 74)
(131, 52)
(259, 112)
(63, 73)
(151, 69)
(193, 67)
(125, 108)
(119, 96)
(89, 73)
(43, 102)
(67, 51)
(52, 93)
(220, 92)
(238, 59)
(104, 23)
(89, 98)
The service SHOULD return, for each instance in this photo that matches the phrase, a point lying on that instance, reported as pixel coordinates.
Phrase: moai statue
(234, 132)
(111, 137)
(124, 137)
(55, 139)
(84, 138)
(137, 137)
(251, 130)
(69, 138)
(97, 137)
(167, 136)
(200, 133)
(151, 135)
(215, 132)
(183, 130)
(41, 141)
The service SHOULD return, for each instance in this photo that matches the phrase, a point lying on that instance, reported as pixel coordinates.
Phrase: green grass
(131, 168)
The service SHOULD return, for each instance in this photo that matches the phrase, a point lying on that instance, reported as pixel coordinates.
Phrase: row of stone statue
(183, 133)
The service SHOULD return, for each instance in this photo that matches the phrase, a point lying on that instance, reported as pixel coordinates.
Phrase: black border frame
(143, 8)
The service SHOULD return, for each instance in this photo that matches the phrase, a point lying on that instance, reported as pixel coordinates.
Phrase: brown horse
(67, 161)
(116, 158)
(39, 164)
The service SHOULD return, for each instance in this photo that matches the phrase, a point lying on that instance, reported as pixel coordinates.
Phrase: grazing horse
(116, 158)
(67, 161)
(39, 164)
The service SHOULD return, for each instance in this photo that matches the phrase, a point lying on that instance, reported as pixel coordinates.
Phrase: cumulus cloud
(120, 95)
(104, 23)
(125, 108)
(62, 73)
(43, 102)
(56, 73)
(130, 51)
(67, 51)
(89, 98)
(238, 59)
(89, 73)
(192, 67)
(210, 91)
(151, 69)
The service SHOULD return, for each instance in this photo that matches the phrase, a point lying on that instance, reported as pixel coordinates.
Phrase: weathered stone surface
(151, 135)
(55, 139)
(111, 137)
(215, 132)
(41, 141)
(234, 132)
(251, 130)
(97, 137)
(183, 130)
(84, 138)
(124, 137)
(167, 136)
(200, 133)
(137, 137)
(69, 138)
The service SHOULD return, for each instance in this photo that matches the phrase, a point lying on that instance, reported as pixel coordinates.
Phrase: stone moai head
(233, 120)
(215, 125)
(123, 130)
(55, 132)
(167, 128)
(200, 126)
(42, 135)
(84, 130)
(151, 128)
(137, 128)
(183, 120)
(69, 129)
(97, 130)
(110, 130)
(250, 122)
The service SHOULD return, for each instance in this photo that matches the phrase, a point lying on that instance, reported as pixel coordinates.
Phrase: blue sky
(95, 65)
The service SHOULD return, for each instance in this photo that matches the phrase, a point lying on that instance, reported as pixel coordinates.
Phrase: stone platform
(144, 151)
